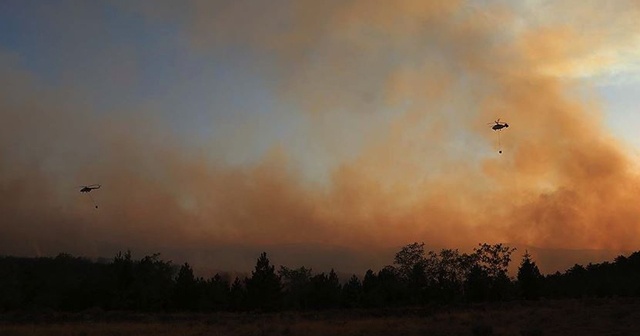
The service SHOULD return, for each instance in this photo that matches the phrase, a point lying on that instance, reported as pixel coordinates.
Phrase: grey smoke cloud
(394, 99)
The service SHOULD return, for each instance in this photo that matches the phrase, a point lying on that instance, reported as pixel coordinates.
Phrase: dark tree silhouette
(123, 270)
(296, 284)
(494, 261)
(352, 293)
(529, 278)
(67, 283)
(447, 272)
(152, 284)
(412, 268)
(477, 284)
(11, 296)
(410, 258)
(383, 289)
(186, 290)
(324, 291)
(627, 272)
(216, 292)
(370, 290)
(238, 295)
(264, 287)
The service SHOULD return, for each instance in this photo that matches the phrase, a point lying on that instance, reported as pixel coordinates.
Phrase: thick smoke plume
(395, 97)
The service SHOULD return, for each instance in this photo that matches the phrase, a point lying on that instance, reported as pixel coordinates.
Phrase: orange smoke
(396, 96)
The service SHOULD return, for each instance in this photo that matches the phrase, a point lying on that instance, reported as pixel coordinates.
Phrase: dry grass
(566, 317)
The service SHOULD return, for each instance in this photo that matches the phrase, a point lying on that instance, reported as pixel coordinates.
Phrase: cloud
(604, 42)
(396, 96)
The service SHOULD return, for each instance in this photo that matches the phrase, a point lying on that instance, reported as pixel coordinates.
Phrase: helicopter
(87, 189)
(498, 125)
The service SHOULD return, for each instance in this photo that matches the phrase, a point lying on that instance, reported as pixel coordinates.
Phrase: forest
(415, 278)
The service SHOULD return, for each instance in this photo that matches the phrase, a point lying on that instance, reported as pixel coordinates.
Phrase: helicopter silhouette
(498, 125)
(86, 189)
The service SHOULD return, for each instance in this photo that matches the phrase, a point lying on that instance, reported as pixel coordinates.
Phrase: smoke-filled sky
(327, 133)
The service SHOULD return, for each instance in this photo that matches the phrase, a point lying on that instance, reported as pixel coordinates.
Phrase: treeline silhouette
(67, 283)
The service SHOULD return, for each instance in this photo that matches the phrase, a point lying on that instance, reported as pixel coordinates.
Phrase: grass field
(563, 317)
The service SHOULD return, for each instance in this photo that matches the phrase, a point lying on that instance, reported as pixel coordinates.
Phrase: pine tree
(352, 293)
(264, 287)
(237, 295)
(529, 278)
(186, 289)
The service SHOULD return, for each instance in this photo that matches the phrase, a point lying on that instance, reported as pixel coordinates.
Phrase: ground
(545, 317)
